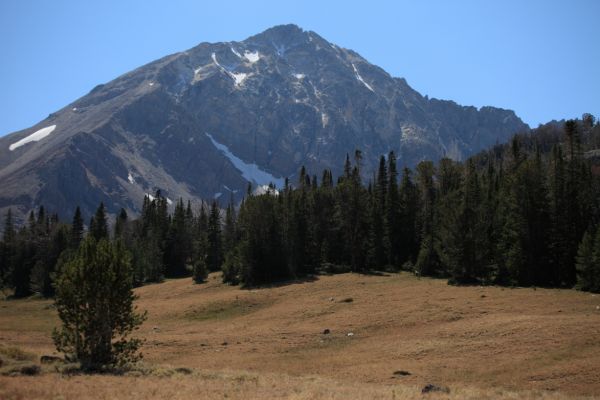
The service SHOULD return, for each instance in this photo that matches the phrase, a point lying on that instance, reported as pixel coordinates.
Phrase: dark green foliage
(230, 234)
(120, 224)
(7, 250)
(428, 258)
(261, 246)
(513, 215)
(232, 267)
(588, 262)
(94, 300)
(176, 248)
(99, 224)
(200, 267)
(408, 229)
(393, 216)
(54, 244)
(464, 232)
(147, 259)
(76, 229)
(215, 251)
(378, 238)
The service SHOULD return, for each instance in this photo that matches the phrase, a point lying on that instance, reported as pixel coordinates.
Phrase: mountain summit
(202, 123)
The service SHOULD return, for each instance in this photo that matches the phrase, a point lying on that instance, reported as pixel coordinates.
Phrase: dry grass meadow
(389, 336)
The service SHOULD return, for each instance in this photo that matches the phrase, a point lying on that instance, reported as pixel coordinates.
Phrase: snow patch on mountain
(250, 172)
(34, 137)
(235, 52)
(252, 56)
(229, 190)
(152, 198)
(361, 79)
(265, 189)
(280, 49)
(324, 119)
(237, 78)
(214, 58)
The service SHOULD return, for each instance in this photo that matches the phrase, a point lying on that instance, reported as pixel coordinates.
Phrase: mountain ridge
(277, 100)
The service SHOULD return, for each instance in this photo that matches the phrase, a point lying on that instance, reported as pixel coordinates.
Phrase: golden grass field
(480, 342)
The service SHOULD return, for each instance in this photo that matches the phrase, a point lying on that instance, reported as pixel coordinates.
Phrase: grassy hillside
(481, 342)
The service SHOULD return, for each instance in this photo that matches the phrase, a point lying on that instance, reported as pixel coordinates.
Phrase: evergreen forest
(525, 213)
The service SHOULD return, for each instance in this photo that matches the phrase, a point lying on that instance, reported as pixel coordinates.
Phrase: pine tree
(229, 229)
(351, 213)
(24, 258)
(392, 215)
(463, 245)
(408, 229)
(200, 266)
(7, 250)
(94, 300)
(175, 244)
(99, 223)
(379, 243)
(215, 250)
(120, 223)
(428, 259)
(576, 187)
(261, 247)
(587, 262)
(47, 258)
(76, 229)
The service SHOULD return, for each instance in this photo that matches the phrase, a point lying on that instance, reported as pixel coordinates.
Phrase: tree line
(523, 213)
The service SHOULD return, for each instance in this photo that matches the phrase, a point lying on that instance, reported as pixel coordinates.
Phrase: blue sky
(539, 58)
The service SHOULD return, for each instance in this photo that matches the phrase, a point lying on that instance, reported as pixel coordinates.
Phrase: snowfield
(252, 56)
(34, 137)
(238, 78)
(250, 172)
(361, 79)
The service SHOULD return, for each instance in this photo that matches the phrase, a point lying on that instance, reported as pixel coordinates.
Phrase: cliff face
(202, 123)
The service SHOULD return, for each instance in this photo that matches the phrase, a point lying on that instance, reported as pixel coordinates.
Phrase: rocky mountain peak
(201, 124)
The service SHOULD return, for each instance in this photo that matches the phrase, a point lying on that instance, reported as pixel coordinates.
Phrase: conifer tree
(215, 250)
(200, 267)
(463, 244)
(47, 258)
(392, 215)
(99, 223)
(7, 249)
(379, 243)
(120, 223)
(24, 259)
(94, 300)
(427, 260)
(587, 262)
(408, 229)
(229, 229)
(175, 246)
(76, 229)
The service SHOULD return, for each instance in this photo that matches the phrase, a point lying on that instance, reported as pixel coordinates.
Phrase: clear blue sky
(539, 58)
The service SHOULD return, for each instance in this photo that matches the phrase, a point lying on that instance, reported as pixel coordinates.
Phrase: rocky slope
(202, 123)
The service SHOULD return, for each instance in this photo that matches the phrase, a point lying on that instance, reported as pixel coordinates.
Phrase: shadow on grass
(283, 282)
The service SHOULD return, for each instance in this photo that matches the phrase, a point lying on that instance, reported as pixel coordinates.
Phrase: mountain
(200, 124)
